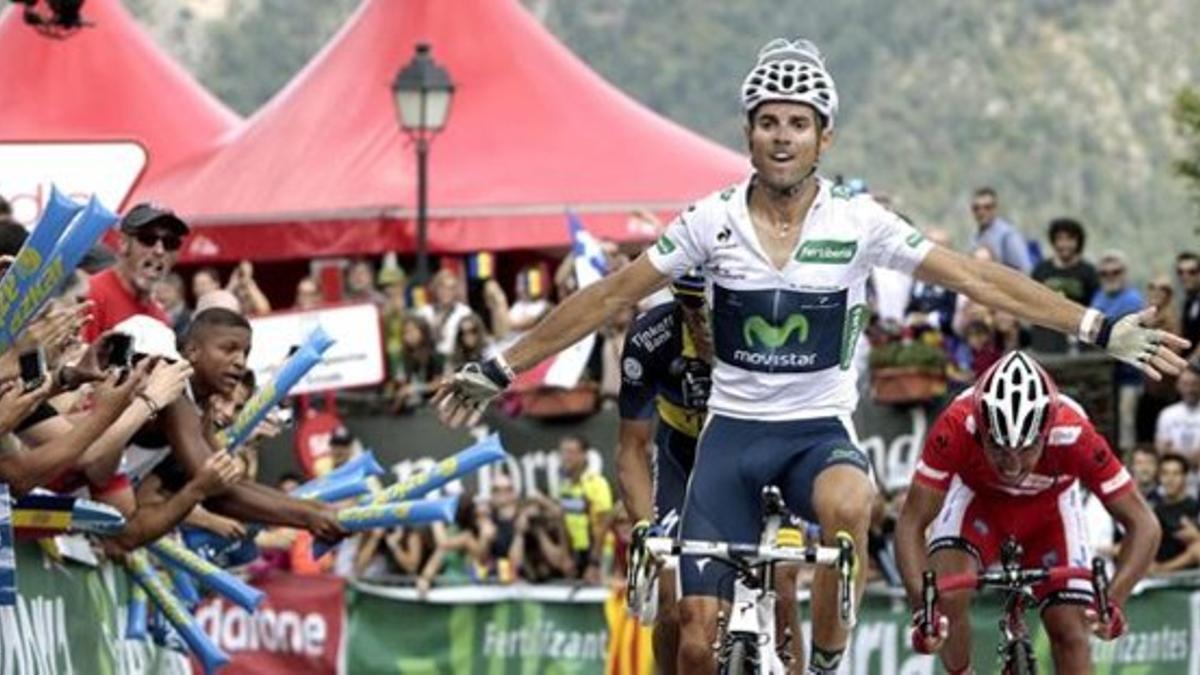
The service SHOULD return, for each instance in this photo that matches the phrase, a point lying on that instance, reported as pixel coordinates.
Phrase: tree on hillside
(1186, 112)
(263, 44)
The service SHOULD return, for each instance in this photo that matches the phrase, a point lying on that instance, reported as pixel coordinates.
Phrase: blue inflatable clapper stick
(43, 238)
(266, 398)
(185, 588)
(34, 292)
(177, 557)
(484, 452)
(363, 464)
(209, 655)
(392, 514)
(347, 486)
(135, 621)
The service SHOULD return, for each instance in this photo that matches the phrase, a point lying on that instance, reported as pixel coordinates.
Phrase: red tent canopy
(324, 168)
(106, 82)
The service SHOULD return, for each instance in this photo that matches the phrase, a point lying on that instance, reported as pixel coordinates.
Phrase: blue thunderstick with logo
(211, 657)
(177, 557)
(484, 452)
(265, 400)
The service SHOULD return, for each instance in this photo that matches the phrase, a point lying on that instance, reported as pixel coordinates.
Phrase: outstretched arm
(462, 398)
(1002, 288)
(585, 311)
(246, 501)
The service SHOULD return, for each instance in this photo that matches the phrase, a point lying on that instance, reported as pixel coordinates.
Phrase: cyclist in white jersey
(788, 256)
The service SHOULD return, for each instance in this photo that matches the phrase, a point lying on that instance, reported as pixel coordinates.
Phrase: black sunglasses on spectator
(170, 242)
(1108, 274)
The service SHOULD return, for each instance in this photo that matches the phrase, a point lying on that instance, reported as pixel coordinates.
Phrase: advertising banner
(354, 360)
(298, 629)
(513, 636)
(71, 619)
(1164, 632)
(108, 169)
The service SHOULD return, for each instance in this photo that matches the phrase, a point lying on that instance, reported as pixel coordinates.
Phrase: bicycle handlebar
(826, 556)
(1011, 578)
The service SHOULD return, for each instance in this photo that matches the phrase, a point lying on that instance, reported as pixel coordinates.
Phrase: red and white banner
(297, 630)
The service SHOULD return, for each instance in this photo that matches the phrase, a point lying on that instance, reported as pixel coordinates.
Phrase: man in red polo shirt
(151, 237)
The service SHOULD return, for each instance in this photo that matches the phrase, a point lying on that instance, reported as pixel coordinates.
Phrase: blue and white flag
(8, 554)
(590, 266)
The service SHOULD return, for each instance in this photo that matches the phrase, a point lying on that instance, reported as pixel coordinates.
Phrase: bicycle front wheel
(742, 657)
(1020, 659)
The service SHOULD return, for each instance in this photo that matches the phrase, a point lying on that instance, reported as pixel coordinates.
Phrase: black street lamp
(422, 92)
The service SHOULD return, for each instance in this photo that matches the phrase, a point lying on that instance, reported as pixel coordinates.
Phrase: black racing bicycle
(1015, 650)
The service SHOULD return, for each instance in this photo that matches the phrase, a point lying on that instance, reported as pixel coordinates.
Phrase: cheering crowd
(140, 434)
(101, 399)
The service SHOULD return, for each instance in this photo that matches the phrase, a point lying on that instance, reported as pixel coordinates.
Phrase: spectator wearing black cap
(1066, 272)
(151, 237)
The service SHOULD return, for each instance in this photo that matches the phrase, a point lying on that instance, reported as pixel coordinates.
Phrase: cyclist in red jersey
(1005, 460)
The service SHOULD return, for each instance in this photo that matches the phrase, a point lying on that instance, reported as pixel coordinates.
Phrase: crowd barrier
(70, 619)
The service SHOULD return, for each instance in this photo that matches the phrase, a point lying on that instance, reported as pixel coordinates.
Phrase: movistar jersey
(652, 368)
(785, 339)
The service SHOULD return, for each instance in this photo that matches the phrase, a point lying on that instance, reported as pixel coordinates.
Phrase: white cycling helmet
(791, 71)
(1015, 402)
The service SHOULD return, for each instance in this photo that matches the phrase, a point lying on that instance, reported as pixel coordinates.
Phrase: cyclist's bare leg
(956, 652)
(1067, 628)
(842, 498)
(787, 617)
(697, 633)
(666, 625)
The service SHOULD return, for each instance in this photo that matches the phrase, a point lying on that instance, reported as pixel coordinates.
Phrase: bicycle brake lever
(1100, 585)
(929, 598)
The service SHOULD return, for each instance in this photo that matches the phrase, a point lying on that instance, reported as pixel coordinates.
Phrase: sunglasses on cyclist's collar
(170, 242)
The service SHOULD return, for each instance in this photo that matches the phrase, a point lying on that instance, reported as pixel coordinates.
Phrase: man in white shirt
(1178, 428)
(445, 310)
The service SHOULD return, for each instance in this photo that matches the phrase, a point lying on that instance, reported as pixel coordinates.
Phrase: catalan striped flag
(630, 649)
(38, 516)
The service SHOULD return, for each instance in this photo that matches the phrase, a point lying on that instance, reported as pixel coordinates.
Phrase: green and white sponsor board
(69, 618)
(486, 630)
(527, 631)
(1164, 638)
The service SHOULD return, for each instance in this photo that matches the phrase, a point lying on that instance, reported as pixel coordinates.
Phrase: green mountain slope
(1062, 105)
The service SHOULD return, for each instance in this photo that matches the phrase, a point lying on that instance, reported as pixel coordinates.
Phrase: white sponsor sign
(354, 360)
(79, 169)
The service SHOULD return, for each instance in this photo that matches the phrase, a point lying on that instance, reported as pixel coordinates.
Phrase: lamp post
(422, 92)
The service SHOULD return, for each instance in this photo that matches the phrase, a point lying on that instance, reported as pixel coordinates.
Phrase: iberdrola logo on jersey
(827, 252)
(771, 336)
(664, 245)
